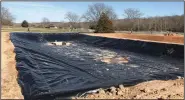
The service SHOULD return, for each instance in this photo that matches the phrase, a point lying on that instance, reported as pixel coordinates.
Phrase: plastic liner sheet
(47, 71)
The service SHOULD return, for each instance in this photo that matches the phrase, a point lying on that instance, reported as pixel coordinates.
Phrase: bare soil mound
(174, 39)
(157, 89)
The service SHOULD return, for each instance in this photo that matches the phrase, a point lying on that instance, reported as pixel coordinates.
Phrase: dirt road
(9, 86)
(152, 89)
(176, 39)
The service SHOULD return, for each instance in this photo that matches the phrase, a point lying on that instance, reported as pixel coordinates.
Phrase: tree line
(173, 23)
(133, 20)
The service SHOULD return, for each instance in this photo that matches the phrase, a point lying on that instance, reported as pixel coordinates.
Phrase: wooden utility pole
(138, 24)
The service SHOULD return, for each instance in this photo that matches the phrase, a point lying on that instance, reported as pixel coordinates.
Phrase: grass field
(44, 30)
(53, 30)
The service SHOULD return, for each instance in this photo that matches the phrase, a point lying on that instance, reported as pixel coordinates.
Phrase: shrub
(92, 26)
(24, 24)
(104, 25)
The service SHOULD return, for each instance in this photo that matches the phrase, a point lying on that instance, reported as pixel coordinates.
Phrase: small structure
(51, 26)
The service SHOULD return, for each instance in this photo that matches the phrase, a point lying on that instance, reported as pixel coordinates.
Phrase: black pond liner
(49, 72)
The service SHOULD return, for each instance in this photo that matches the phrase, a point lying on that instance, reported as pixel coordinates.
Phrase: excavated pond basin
(78, 63)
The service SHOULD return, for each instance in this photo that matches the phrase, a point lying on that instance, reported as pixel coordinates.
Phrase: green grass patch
(42, 30)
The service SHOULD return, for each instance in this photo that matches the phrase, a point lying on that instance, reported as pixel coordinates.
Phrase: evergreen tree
(104, 25)
(24, 24)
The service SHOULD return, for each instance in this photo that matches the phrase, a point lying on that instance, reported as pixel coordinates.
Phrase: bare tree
(6, 17)
(45, 22)
(95, 10)
(133, 14)
(73, 18)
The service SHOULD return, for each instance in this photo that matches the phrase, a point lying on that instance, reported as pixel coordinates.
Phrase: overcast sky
(55, 11)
